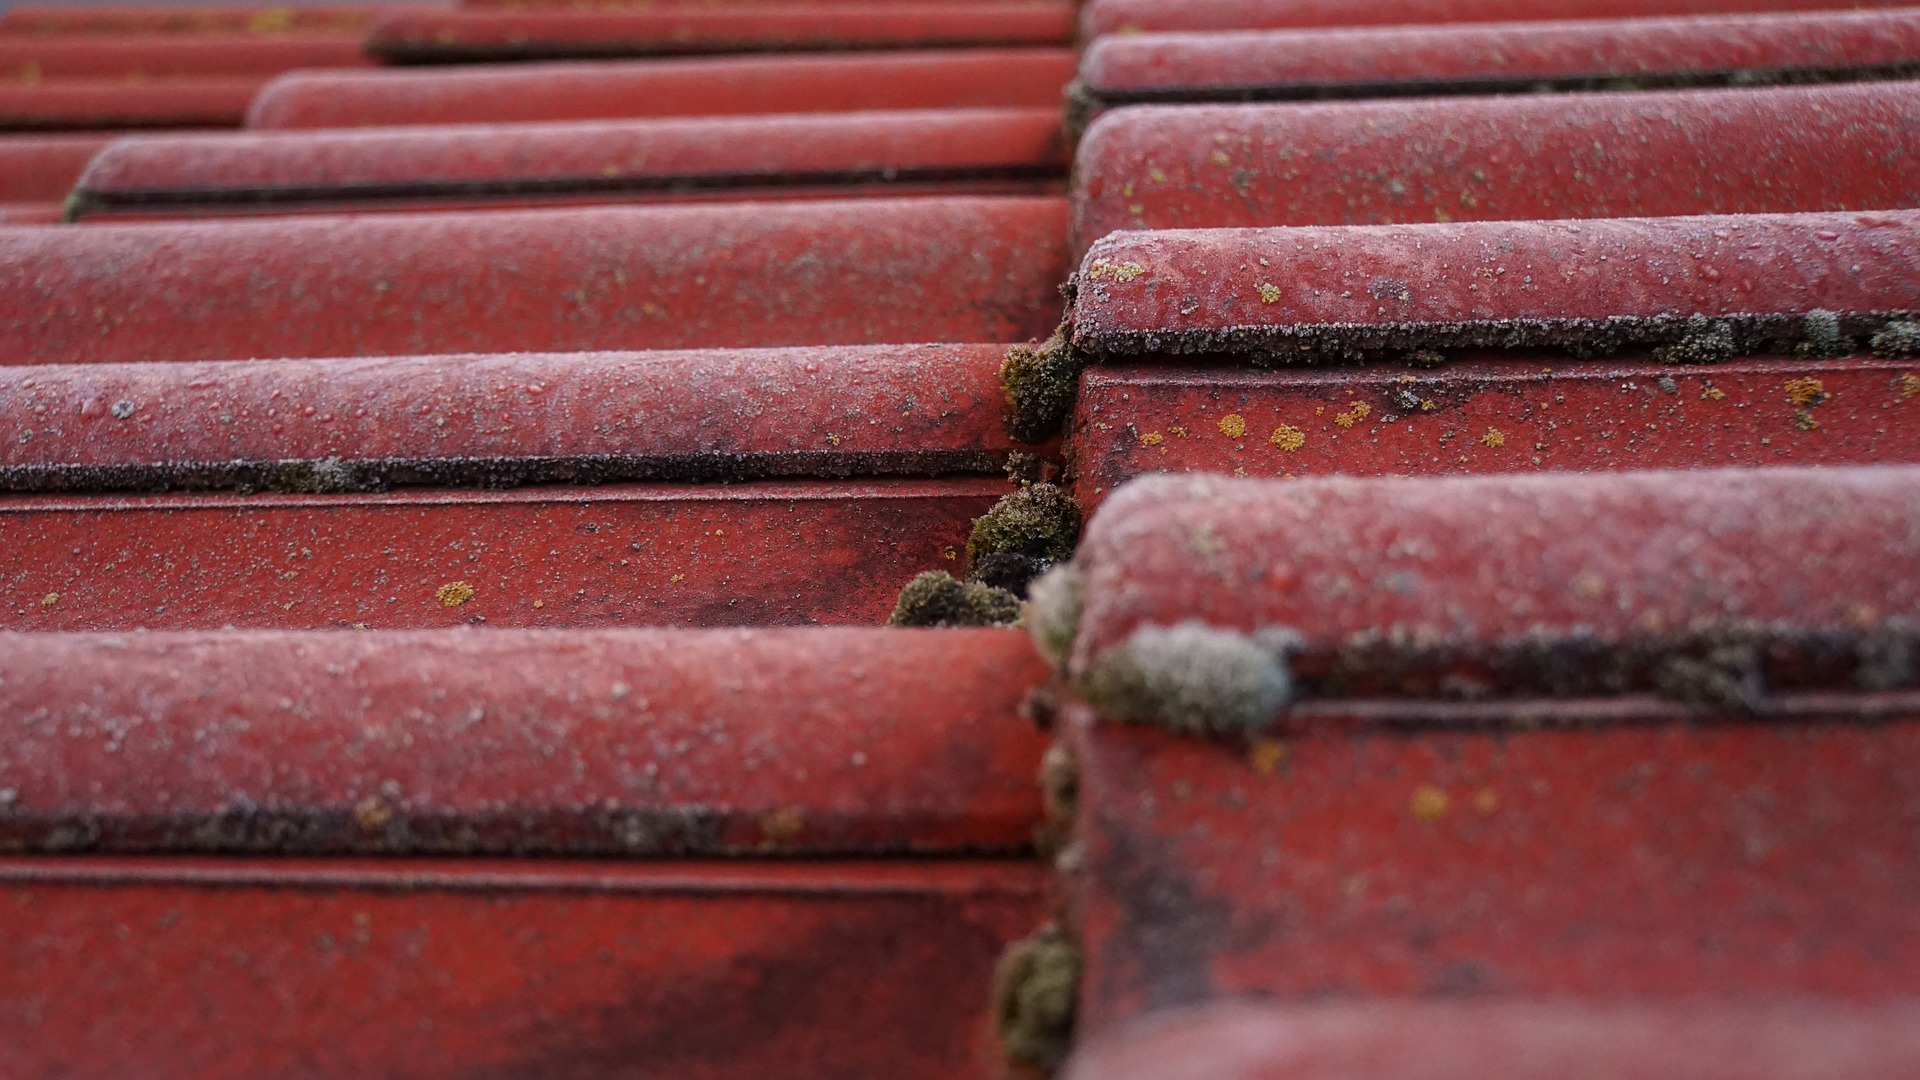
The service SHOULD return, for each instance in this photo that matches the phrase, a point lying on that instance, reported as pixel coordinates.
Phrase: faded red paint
(1475, 564)
(1639, 856)
(1848, 147)
(708, 86)
(113, 19)
(746, 274)
(1129, 16)
(36, 168)
(1490, 415)
(201, 101)
(757, 157)
(1277, 292)
(795, 26)
(740, 742)
(162, 56)
(1482, 57)
(634, 555)
(1508, 1040)
(460, 969)
(721, 414)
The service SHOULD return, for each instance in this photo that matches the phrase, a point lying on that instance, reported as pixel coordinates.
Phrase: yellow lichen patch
(1712, 393)
(271, 21)
(453, 593)
(1265, 755)
(1152, 438)
(1123, 272)
(1428, 404)
(1219, 157)
(1487, 800)
(538, 604)
(1269, 293)
(1354, 415)
(1493, 439)
(1590, 585)
(949, 553)
(1909, 386)
(1177, 432)
(50, 599)
(676, 579)
(1804, 421)
(782, 825)
(1156, 176)
(1233, 425)
(1288, 438)
(1429, 803)
(1805, 391)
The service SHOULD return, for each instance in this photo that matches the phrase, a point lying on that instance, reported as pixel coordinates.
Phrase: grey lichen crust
(1055, 600)
(1193, 678)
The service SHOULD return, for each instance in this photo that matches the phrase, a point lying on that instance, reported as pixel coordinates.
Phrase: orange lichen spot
(1429, 803)
(1219, 157)
(1909, 386)
(372, 813)
(1152, 438)
(1156, 176)
(1486, 800)
(1177, 432)
(949, 553)
(1269, 292)
(781, 826)
(676, 579)
(1265, 755)
(1101, 269)
(1805, 391)
(1493, 439)
(1712, 393)
(1354, 415)
(453, 593)
(50, 599)
(1428, 405)
(1288, 438)
(1590, 585)
(832, 439)
(1233, 425)
(538, 604)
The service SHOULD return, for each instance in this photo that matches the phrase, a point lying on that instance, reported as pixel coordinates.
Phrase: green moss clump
(1039, 522)
(1041, 383)
(936, 599)
(1035, 992)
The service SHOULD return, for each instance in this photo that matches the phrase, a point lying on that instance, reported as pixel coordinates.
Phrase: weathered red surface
(1508, 1040)
(30, 213)
(171, 55)
(745, 274)
(1490, 415)
(36, 168)
(1848, 147)
(744, 157)
(1482, 57)
(36, 19)
(772, 553)
(797, 26)
(1130, 16)
(1635, 856)
(503, 419)
(1295, 293)
(710, 86)
(201, 101)
(625, 742)
(289, 968)
(1450, 570)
